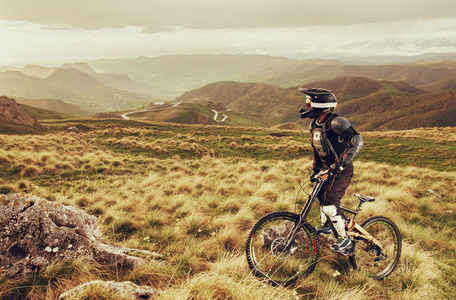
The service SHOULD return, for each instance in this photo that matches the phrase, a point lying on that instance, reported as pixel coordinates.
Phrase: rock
(121, 290)
(12, 112)
(73, 129)
(35, 232)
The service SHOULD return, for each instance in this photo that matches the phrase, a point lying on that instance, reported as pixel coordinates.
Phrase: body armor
(334, 141)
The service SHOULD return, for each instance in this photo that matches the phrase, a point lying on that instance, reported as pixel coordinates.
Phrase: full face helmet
(318, 101)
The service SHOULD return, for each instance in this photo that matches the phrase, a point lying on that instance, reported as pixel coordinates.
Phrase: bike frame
(354, 229)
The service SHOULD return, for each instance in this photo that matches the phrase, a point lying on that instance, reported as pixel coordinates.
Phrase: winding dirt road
(150, 109)
(125, 115)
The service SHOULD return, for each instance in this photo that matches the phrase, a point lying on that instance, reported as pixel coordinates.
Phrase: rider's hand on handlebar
(336, 167)
(320, 175)
(313, 176)
(323, 176)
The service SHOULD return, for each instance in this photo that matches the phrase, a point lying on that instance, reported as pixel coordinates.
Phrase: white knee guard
(331, 212)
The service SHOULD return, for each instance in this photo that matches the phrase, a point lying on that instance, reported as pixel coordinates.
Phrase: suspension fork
(303, 215)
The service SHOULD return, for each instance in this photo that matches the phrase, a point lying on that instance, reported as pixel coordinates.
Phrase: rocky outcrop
(121, 290)
(35, 232)
(11, 112)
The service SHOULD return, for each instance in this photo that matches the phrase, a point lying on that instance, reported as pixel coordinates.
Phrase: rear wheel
(278, 251)
(370, 258)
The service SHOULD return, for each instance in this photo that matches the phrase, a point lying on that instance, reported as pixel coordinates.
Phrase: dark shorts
(334, 189)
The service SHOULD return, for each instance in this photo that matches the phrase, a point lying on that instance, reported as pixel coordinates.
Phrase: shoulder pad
(339, 125)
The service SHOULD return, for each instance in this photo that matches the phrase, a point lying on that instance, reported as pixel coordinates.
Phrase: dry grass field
(192, 193)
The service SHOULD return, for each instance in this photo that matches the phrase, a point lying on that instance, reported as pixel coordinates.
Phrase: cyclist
(335, 143)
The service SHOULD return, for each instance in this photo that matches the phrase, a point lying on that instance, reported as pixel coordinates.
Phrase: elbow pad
(356, 143)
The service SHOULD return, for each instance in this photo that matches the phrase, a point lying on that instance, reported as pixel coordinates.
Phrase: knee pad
(330, 210)
(337, 220)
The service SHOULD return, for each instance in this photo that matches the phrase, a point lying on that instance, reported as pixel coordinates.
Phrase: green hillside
(368, 104)
(275, 104)
(441, 85)
(55, 105)
(201, 113)
(224, 92)
(42, 114)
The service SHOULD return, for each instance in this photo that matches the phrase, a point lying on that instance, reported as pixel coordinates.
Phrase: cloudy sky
(56, 31)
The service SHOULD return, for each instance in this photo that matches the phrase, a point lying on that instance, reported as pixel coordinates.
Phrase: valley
(256, 90)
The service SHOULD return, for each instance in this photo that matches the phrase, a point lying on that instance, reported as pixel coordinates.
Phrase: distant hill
(224, 92)
(44, 114)
(72, 86)
(55, 105)
(37, 71)
(73, 80)
(118, 81)
(441, 85)
(171, 75)
(414, 74)
(369, 104)
(267, 100)
(385, 111)
(16, 84)
(202, 113)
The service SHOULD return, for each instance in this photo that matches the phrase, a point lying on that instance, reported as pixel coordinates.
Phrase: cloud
(163, 15)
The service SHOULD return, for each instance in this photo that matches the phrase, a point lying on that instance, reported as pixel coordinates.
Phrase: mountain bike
(283, 246)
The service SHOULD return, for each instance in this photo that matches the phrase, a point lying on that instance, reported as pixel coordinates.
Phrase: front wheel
(368, 257)
(280, 252)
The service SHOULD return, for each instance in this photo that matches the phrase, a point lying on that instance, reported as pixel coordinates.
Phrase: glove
(313, 177)
(337, 167)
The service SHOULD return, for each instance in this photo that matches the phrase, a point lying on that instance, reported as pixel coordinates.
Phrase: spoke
(279, 250)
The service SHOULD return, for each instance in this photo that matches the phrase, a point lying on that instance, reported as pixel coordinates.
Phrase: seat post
(358, 209)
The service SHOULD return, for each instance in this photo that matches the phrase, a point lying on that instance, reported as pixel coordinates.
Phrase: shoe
(341, 244)
(323, 229)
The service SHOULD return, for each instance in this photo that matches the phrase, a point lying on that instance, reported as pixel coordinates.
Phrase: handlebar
(323, 173)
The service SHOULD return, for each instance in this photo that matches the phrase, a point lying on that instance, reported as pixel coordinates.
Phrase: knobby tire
(270, 260)
(366, 257)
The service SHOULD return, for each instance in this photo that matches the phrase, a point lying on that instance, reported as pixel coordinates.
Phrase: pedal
(349, 251)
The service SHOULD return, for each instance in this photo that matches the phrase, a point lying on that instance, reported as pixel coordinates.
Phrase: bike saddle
(365, 198)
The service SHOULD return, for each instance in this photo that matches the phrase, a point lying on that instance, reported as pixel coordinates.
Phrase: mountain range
(368, 104)
(74, 87)
(171, 75)
(251, 85)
